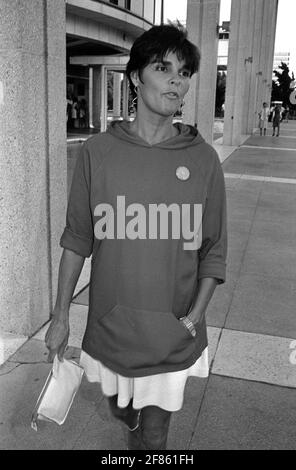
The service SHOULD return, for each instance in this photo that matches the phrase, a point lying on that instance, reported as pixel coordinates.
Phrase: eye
(185, 73)
(161, 68)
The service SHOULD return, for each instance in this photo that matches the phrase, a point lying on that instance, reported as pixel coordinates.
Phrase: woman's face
(165, 85)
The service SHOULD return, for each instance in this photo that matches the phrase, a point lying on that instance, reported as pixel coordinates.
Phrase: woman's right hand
(57, 335)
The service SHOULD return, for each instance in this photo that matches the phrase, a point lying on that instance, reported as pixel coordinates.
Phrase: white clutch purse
(57, 395)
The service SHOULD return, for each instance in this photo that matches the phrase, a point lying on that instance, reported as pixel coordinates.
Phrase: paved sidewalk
(249, 399)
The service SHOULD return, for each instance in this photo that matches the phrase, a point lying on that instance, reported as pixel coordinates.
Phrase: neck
(153, 129)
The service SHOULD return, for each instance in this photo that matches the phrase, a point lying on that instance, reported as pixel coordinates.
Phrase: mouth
(172, 95)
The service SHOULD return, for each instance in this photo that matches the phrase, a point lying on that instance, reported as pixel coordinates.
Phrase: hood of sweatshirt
(188, 136)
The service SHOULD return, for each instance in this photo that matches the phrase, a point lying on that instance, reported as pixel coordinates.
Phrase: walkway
(248, 400)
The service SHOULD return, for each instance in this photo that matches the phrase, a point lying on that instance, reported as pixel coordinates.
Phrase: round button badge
(182, 173)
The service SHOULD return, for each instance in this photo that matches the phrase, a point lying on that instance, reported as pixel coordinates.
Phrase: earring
(180, 110)
(134, 101)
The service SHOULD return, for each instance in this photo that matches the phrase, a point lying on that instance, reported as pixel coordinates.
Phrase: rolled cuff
(214, 270)
(80, 245)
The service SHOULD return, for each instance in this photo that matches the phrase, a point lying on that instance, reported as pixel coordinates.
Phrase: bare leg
(153, 431)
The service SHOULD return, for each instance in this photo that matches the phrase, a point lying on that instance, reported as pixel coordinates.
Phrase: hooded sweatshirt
(153, 217)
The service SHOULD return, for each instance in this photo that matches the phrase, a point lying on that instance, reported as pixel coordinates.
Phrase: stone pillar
(202, 25)
(33, 160)
(263, 54)
(55, 15)
(251, 115)
(250, 72)
(238, 62)
(90, 97)
(271, 32)
(116, 94)
(269, 16)
(97, 95)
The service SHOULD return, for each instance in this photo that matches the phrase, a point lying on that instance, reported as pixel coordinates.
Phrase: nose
(175, 79)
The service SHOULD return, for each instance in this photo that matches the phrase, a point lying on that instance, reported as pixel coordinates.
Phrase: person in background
(150, 286)
(263, 118)
(82, 111)
(285, 114)
(277, 115)
(74, 112)
(69, 112)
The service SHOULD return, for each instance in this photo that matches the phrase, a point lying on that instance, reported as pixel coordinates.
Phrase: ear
(135, 78)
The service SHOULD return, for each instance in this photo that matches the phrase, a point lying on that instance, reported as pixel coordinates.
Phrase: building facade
(223, 45)
(280, 57)
(97, 46)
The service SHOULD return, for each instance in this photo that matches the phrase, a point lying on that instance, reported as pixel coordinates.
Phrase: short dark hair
(158, 41)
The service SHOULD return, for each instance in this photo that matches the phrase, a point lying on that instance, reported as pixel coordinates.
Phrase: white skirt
(164, 390)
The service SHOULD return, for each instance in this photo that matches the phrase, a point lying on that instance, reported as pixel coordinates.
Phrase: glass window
(149, 10)
(158, 4)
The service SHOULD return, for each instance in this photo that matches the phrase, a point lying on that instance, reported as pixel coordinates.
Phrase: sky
(286, 22)
(285, 40)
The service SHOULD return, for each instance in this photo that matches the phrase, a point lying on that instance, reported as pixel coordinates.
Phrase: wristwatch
(189, 325)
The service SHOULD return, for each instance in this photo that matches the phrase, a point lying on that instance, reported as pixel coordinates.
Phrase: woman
(263, 118)
(137, 191)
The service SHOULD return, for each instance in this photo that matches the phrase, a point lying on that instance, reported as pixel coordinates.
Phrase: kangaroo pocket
(134, 339)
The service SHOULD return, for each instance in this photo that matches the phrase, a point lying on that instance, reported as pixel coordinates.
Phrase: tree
(220, 92)
(281, 86)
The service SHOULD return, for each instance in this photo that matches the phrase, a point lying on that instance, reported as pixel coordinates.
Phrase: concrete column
(33, 162)
(238, 63)
(116, 94)
(266, 50)
(55, 14)
(125, 90)
(263, 51)
(90, 97)
(251, 100)
(273, 8)
(250, 60)
(250, 70)
(202, 25)
(97, 84)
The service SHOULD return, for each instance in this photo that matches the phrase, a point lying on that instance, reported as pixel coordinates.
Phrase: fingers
(53, 352)
(61, 353)
(51, 355)
(62, 349)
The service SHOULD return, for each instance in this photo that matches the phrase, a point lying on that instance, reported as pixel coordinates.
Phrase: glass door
(115, 96)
